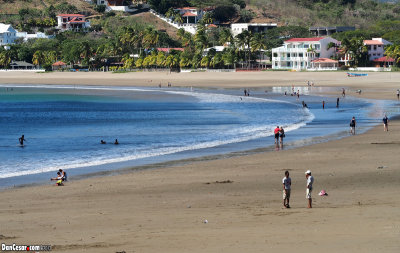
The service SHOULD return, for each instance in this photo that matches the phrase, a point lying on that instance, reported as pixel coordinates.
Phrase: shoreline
(184, 157)
(240, 197)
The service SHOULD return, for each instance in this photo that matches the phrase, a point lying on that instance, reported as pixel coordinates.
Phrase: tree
(38, 58)
(86, 51)
(226, 36)
(205, 61)
(150, 37)
(393, 51)
(243, 39)
(259, 43)
(5, 59)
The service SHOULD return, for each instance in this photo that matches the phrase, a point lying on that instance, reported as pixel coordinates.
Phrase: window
(275, 55)
(300, 54)
(316, 54)
(317, 46)
(306, 46)
(288, 55)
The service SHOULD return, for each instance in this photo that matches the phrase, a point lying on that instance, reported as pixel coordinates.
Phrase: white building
(252, 27)
(72, 22)
(303, 53)
(191, 15)
(7, 34)
(115, 5)
(376, 47)
(27, 36)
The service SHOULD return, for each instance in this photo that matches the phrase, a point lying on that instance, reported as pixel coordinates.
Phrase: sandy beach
(164, 210)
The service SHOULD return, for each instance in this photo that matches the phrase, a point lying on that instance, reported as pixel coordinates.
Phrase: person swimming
(103, 142)
(116, 142)
(21, 140)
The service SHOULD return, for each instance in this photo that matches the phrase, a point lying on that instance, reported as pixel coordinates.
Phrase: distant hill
(358, 13)
(13, 6)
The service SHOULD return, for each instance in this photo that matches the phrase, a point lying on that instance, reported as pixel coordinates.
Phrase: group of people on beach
(287, 184)
(279, 134)
(60, 178)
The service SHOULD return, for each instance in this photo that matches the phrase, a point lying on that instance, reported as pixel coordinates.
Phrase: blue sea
(63, 125)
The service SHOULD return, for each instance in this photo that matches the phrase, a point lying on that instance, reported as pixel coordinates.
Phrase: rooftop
(384, 59)
(373, 42)
(305, 39)
(70, 15)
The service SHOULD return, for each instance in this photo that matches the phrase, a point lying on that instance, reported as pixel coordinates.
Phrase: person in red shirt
(276, 133)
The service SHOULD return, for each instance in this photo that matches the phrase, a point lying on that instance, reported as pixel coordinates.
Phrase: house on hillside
(305, 53)
(191, 15)
(252, 27)
(167, 50)
(376, 47)
(7, 34)
(73, 22)
(327, 30)
(115, 5)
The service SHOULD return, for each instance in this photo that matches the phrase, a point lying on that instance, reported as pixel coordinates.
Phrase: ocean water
(63, 126)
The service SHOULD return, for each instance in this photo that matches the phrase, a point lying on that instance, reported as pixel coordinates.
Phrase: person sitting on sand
(103, 142)
(287, 182)
(58, 179)
(310, 181)
(116, 142)
(63, 174)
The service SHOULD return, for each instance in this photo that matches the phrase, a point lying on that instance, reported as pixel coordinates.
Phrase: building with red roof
(72, 22)
(305, 53)
(376, 47)
(191, 15)
(383, 61)
(169, 49)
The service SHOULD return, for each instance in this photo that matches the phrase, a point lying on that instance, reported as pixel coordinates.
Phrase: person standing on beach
(353, 126)
(281, 135)
(343, 92)
(323, 104)
(310, 181)
(398, 94)
(287, 182)
(385, 123)
(276, 134)
(21, 140)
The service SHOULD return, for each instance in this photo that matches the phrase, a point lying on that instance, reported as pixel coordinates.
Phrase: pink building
(376, 47)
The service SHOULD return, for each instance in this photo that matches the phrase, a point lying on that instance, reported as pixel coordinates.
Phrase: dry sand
(163, 210)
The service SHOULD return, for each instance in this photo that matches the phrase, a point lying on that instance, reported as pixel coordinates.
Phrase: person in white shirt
(310, 181)
(287, 182)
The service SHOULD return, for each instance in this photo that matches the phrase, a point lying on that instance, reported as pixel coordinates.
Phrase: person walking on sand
(353, 126)
(310, 181)
(287, 182)
(276, 134)
(385, 123)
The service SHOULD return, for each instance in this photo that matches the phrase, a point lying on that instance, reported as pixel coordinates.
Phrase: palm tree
(178, 18)
(205, 61)
(259, 43)
(243, 40)
(38, 58)
(393, 51)
(5, 59)
(201, 40)
(226, 36)
(150, 37)
(86, 51)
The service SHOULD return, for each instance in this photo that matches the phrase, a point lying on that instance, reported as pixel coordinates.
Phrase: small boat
(355, 74)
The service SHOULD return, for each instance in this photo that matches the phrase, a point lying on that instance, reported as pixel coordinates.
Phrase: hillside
(362, 14)
(147, 18)
(13, 6)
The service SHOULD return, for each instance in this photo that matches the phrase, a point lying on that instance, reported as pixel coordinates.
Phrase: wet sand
(164, 210)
